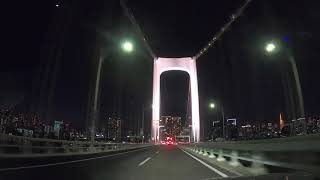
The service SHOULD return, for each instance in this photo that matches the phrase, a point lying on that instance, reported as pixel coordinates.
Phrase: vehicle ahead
(169, 141)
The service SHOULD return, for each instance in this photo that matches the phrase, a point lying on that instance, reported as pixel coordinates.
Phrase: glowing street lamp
(211, 105)
(270, 47)
(127, 46)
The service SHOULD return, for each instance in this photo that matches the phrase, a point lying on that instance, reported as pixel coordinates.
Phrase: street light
(142, 123)
(212, 106)
(270, 47)
(127, 47)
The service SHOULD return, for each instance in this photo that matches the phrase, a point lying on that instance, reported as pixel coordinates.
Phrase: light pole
(212, 106)
(271, 48)
(143, 116)
(142, 123)
(127, 47)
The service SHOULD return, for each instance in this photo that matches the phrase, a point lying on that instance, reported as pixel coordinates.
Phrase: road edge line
(205, 164)
(68, 162)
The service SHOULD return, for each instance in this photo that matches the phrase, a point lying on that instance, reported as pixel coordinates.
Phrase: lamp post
(212, 106)
(271, 47)
(143, 117)
(126, 47)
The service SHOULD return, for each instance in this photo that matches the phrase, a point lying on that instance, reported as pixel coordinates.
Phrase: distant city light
(285, 39)
(270, 47)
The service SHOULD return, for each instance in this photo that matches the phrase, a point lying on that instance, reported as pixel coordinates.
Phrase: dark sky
(174, 89)
(235, 73)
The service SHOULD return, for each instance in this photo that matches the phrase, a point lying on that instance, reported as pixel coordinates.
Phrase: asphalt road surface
(156, 162)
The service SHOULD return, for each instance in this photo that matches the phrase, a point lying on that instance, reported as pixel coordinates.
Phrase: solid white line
(205, 164)
(140, 164)
(67, 162)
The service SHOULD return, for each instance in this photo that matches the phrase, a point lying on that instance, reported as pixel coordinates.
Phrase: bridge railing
(19, 145)
(300, 154)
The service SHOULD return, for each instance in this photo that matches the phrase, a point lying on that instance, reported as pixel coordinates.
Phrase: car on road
(169, 142)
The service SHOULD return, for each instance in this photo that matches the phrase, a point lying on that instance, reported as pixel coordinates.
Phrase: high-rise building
(171, 126)
(114, 128)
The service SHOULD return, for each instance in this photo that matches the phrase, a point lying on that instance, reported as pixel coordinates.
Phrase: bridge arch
(188, 65)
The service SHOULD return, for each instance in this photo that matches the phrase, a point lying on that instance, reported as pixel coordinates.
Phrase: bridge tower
(188, 65)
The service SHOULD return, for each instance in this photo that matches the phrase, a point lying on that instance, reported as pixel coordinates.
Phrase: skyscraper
(172, 126)
(114, 128)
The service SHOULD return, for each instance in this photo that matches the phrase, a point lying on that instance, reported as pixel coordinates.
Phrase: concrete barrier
(302, 154)
(13, 146)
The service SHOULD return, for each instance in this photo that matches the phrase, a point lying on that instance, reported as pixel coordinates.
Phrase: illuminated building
(170, 126)
(114, 128)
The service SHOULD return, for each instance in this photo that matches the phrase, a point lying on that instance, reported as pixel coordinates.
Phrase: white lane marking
(67, 162)
(157, 152)
(140, 164)
(205, 164)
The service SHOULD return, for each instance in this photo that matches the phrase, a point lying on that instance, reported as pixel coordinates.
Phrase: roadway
(156, 162)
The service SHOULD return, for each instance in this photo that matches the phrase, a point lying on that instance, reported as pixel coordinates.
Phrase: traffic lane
(21, 160)
(172, 163)
(119, 166)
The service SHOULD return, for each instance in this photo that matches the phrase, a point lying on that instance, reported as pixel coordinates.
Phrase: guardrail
(299, 155)
(310, 137)
(19, 145)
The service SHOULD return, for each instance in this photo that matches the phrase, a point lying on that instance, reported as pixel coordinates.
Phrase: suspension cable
(137, 28)
(223, 29)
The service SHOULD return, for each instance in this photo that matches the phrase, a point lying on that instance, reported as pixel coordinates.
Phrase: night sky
(235, 73)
